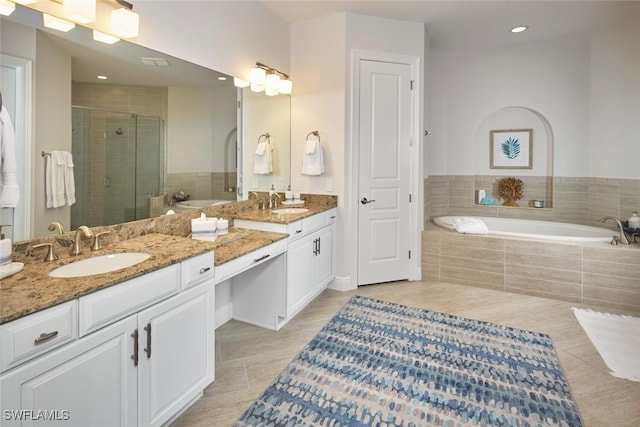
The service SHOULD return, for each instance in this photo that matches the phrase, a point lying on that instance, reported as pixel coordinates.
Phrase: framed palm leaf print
(511, 149)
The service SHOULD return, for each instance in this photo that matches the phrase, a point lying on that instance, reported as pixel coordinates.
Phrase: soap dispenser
(634, 220)
(5, 247)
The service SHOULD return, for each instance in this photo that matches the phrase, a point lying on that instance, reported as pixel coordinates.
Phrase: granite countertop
(32, 289)
(267, 215)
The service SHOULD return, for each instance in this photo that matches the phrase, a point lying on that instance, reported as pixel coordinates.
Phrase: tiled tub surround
(599, 274)
(577, 200)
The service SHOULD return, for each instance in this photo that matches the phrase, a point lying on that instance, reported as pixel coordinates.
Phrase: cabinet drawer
(245, 262)
(35, 334)
(106, 306)
(197, 269)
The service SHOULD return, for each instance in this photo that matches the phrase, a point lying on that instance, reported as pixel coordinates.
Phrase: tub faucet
(617, 239)
(83, 230)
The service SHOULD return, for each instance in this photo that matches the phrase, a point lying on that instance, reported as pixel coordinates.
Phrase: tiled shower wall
(203, 185)
(579, 200)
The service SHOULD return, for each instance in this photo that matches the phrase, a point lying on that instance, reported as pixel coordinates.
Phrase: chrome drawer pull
(45, 336)
(262, 257)
(204, 270)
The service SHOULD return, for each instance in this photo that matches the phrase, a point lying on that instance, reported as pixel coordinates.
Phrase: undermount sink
(289, 210)
(100, 264)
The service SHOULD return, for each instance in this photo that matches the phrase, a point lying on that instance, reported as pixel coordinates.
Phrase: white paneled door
(385, 100)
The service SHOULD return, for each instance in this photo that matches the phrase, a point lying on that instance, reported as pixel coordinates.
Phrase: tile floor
(248, 358)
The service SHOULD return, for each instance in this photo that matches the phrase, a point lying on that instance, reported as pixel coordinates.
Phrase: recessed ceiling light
(102, 77)
(519, 29)
(222, 78)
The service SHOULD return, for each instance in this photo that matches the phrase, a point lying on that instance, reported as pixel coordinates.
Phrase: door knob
(364, 201)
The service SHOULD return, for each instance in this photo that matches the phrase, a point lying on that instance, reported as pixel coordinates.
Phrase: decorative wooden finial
(510, 189)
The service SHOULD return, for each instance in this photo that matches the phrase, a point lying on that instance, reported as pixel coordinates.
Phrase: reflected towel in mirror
(60, 188)
(263, 164)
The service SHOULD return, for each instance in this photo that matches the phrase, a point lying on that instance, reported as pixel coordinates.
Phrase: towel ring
(265, 135)
(313, 132)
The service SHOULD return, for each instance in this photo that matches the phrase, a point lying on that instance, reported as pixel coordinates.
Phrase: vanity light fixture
(7, 7)
(240, 83)
(519, 29)
(57, 23)
(104, 38)
(124, 21)
(270, 80)
(81, 11)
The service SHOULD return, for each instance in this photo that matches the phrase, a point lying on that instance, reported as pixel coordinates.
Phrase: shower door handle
(364, 201)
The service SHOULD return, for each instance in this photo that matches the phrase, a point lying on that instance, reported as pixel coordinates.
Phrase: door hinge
(411, 85)
(409, 254)
(409, 198)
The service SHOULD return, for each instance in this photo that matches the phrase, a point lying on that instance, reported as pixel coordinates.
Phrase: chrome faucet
(85, 231)
(617, 239)
(274, 203)
(56, 226)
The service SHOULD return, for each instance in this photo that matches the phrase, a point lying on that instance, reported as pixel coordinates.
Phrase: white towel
(59, 180)
(310, 147)
(9, 190)
(313, 163)
(470, 225)
(262, 163)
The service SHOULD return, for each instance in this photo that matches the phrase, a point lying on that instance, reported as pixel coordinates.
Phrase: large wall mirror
(157, 126)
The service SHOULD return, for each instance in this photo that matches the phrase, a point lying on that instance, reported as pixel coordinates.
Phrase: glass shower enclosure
(118, 164)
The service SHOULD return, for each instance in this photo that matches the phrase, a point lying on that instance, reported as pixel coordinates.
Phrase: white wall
(468, 87)
(321, 55)
(52, 98)
(614, 127)
(586, 85)
(227, 36)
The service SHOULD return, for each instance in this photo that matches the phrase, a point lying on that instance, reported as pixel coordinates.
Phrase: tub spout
(623, 237)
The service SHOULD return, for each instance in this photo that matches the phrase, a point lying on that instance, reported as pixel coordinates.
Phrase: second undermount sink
(289, 210)
(100, 264)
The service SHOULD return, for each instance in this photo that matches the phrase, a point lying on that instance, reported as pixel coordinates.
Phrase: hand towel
(59, 179)
(310, 147)
(313, 163)
(9, 190)
(262, 163)
(470, 225)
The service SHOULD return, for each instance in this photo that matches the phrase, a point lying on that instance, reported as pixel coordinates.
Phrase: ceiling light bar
(104, 38)
(81, 11)
(7, 7)
(519, 29)
(57, 23)
(267, 79)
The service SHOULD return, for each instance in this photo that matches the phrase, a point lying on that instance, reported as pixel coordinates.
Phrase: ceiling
(460, 25)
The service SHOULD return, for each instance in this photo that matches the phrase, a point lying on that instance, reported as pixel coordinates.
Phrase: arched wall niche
(538, 181)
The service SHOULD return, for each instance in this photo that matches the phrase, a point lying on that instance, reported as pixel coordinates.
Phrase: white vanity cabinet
(310, 261)
(140, 363)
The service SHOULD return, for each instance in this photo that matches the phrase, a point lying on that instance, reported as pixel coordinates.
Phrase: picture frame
(511, 149)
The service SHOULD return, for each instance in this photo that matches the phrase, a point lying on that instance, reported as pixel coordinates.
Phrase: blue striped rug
(378, 363)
